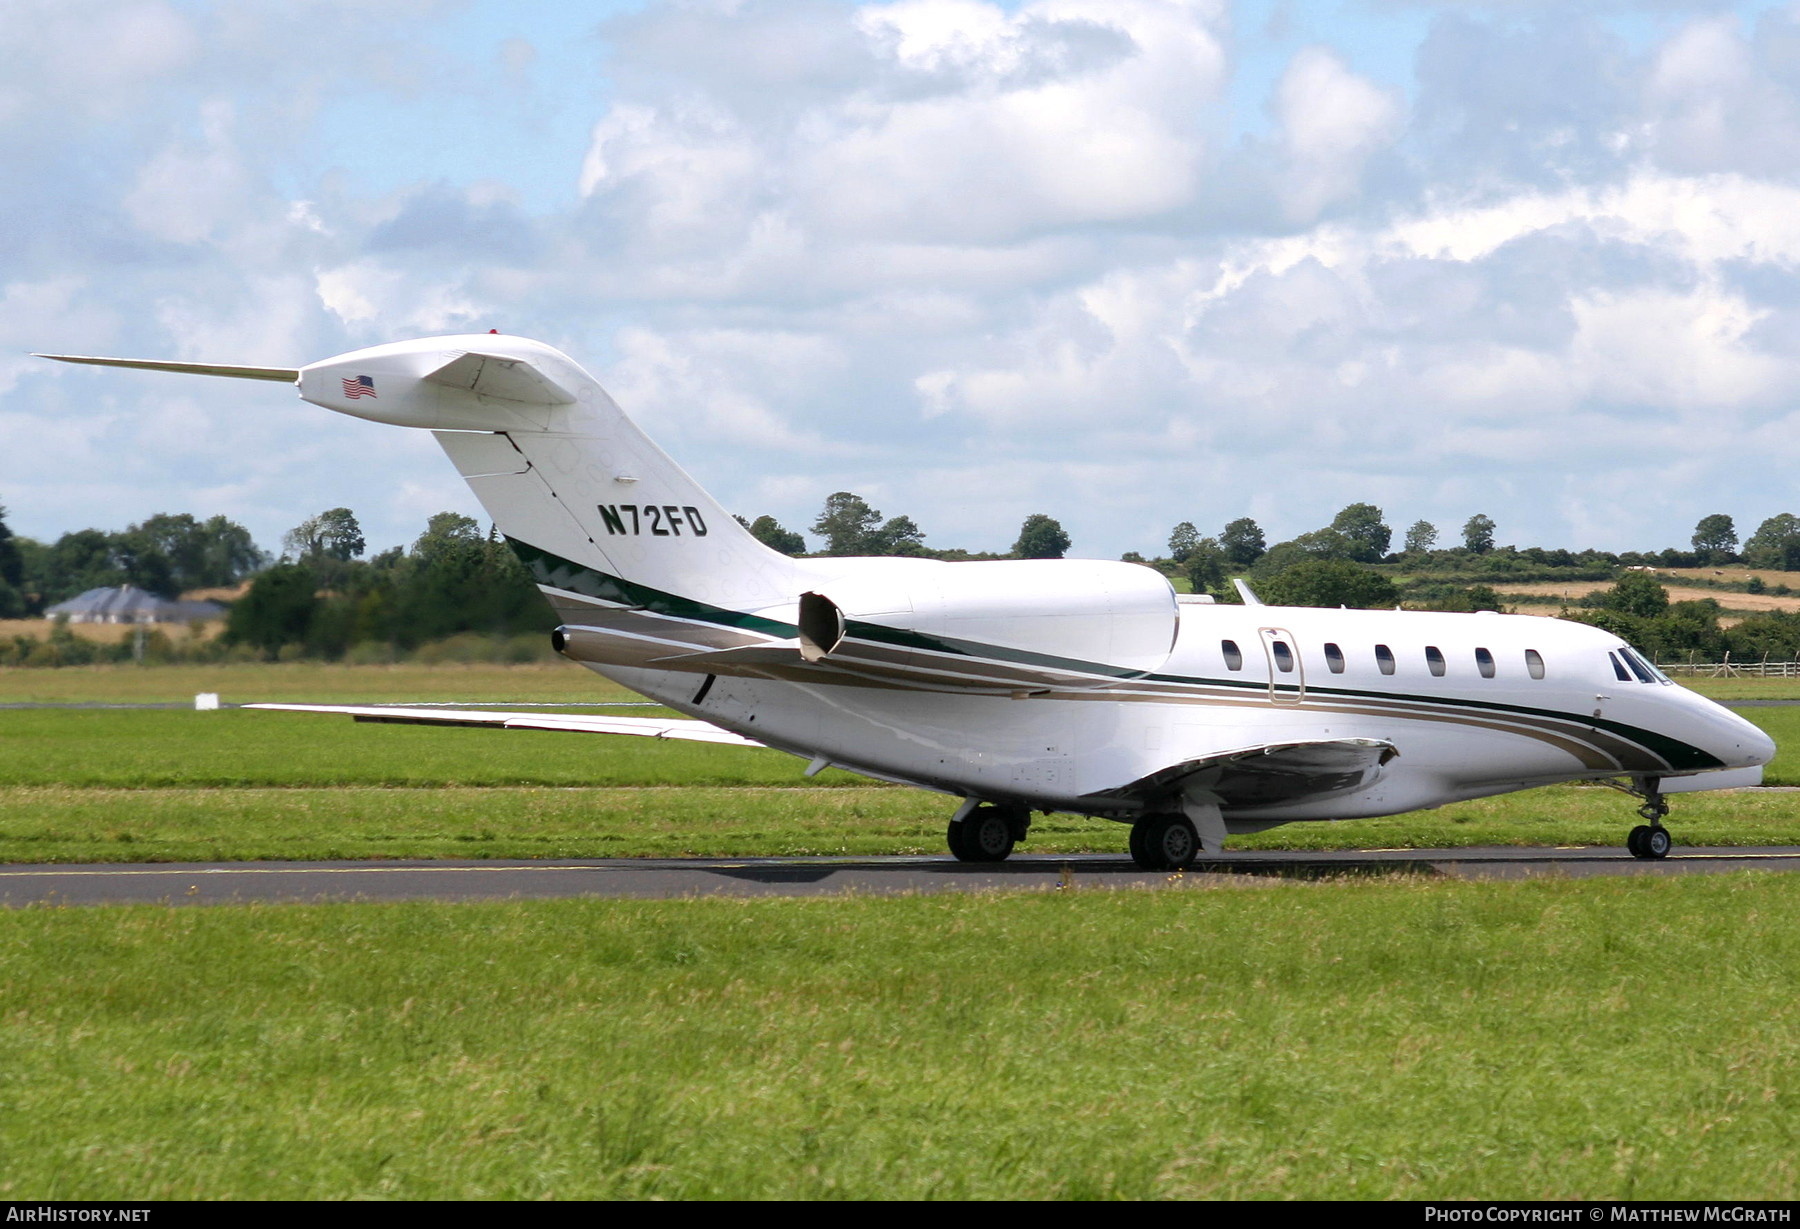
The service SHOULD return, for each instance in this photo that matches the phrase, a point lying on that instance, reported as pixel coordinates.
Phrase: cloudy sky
(1122, 261)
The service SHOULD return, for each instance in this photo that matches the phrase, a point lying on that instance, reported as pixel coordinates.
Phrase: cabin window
(1534, 663)
(1384, 658)
(1334, 658)
(1434, 660)
(1484, 662)
(1284, 656)
(1234, 660)
(1619, 669)
(1637, 666)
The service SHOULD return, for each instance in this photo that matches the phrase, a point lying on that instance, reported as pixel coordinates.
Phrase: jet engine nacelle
(1073, 611)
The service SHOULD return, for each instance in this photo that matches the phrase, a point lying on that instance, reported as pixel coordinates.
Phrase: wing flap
(676, 728)
(1267, 773)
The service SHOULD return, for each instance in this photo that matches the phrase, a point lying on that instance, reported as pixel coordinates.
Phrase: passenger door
(1287, 674)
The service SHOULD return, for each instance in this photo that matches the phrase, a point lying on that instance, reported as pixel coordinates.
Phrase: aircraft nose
(1744, 744)
(1759, 746)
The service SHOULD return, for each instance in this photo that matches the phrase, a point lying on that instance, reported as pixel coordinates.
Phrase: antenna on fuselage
(1243, 588)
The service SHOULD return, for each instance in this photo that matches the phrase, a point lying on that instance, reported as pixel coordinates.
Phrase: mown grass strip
(50, 824)
(150, 747)
(1404, 1039)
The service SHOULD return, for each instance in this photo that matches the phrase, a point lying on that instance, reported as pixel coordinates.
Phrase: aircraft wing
(1268, 773)
(577, 723)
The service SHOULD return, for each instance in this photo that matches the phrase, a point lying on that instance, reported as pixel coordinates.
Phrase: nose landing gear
(1650, 840)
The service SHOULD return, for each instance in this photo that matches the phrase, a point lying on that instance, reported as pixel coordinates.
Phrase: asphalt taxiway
(288, 882)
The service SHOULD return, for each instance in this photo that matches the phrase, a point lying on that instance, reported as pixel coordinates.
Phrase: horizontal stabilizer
(1267, 774)
(501, 377)
(284, 375)
(575, 723)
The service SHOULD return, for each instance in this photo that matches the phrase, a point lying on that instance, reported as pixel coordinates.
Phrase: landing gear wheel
(984, 835)
(1648, 842)
(1164, 842)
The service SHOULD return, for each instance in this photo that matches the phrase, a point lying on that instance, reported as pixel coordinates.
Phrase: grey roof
(130, 604)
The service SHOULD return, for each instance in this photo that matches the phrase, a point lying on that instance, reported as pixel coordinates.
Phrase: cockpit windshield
(1638, 660)
(1645, 672)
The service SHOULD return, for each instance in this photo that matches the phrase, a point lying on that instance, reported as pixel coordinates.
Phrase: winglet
(284, 375)
(1243, 588)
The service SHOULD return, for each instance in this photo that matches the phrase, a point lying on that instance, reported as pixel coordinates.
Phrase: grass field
(175, 785)
(1386, 1039)
(1361, 1038)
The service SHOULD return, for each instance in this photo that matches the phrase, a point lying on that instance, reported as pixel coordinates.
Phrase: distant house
(130, 604)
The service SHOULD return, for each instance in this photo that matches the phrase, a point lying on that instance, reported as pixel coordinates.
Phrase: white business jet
(1018, 686)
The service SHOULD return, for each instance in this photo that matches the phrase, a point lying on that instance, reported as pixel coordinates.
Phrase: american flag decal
(358, 386)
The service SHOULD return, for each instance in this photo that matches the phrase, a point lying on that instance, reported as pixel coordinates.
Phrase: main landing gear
(1167, 842)
(986, 832)
(1650, 840)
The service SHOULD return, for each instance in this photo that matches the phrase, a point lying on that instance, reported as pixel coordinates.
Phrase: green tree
(1364, 526)
(1421, 537)
(12, 573)
(333, 534)
(445, 532)
(848, 524)
(1456, 598)
(169, 553)
(1775, 544)
(1637, 594)
(1040, 537)
(1715, 537)
(78, 561)
(1205, 566)
(772, 534)
(1182, 541)
(1317, 544)
(278, 609)
(1478, 534)
(1775, 634)
(898, 536)
(1243, 542)
(1329, 582)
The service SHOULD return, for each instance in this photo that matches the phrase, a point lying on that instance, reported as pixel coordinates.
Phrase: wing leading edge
(576, 723)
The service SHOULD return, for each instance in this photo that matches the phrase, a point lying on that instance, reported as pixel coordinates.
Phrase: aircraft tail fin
(591, 504)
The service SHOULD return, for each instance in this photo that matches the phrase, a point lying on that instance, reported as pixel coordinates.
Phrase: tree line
(848, 526)
(167, 555)
(323, 598)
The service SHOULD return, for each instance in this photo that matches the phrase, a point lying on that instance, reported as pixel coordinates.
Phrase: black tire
(1657, 842)
(1166, 842)
(1140, 853)
(1634, 841)
(954, 839)
(986, 836)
